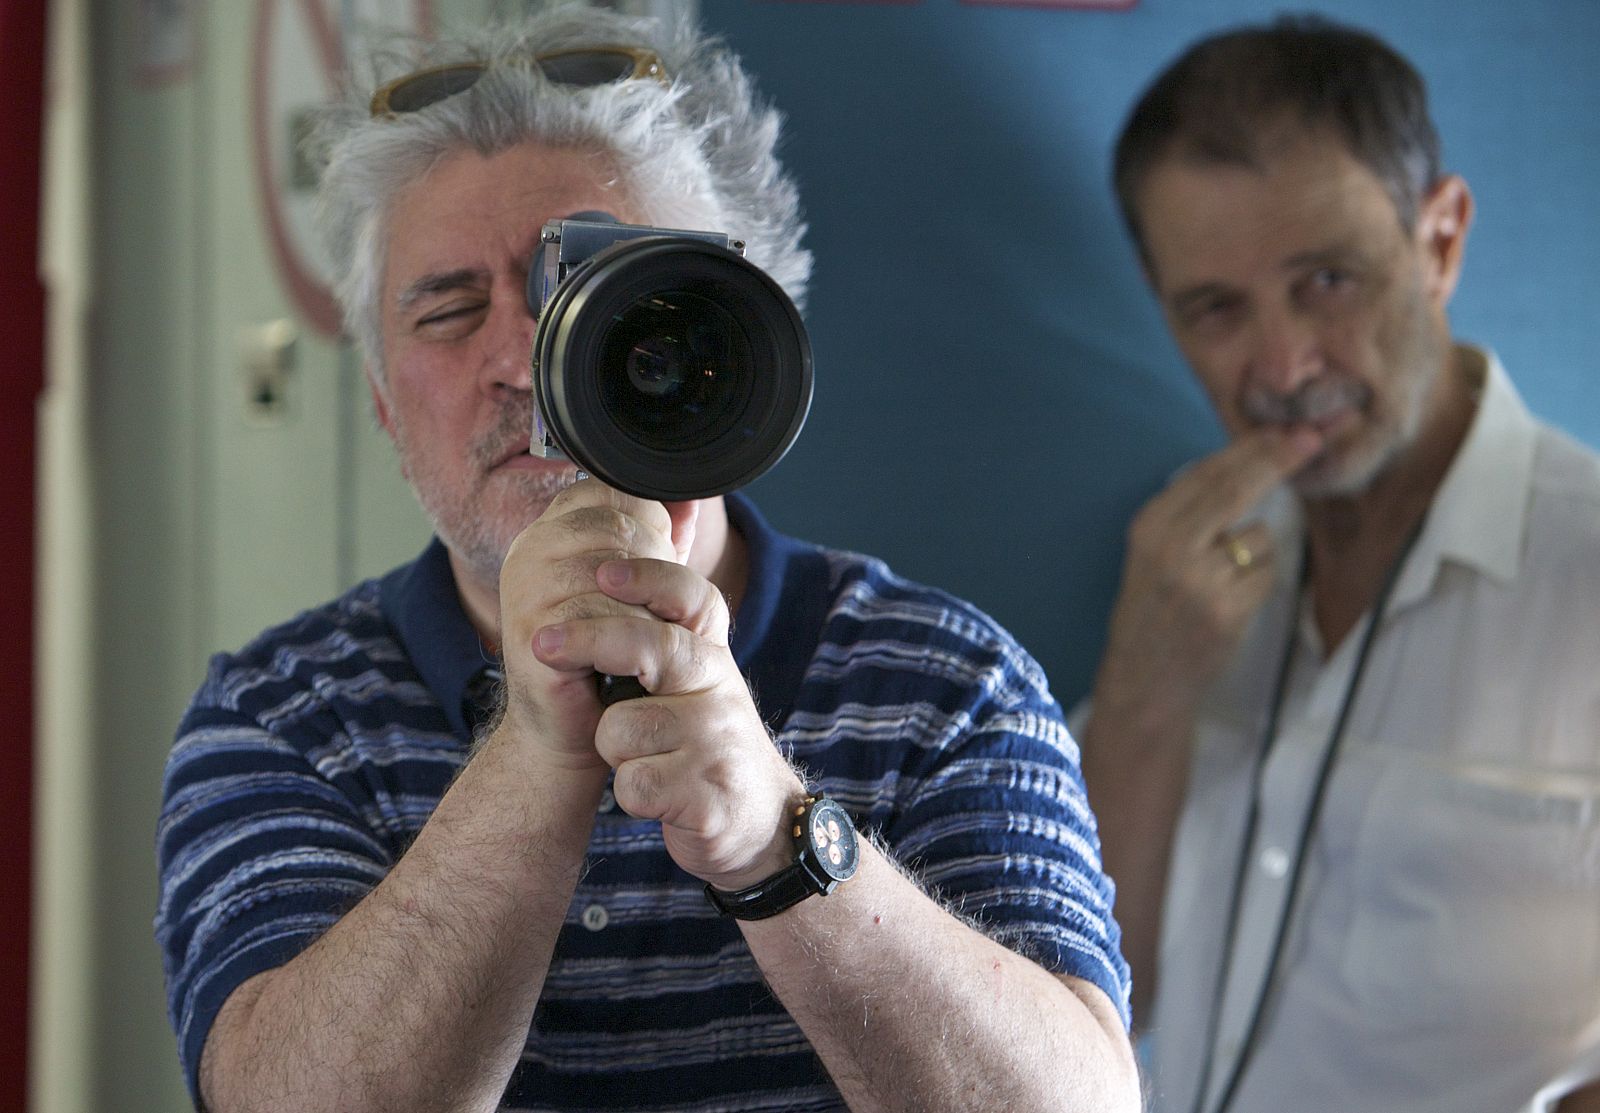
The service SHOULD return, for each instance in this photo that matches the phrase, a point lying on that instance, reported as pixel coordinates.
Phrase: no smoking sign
(300, 51)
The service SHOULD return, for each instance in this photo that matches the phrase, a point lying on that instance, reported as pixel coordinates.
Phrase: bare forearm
(912, 1010)
(1186, 601)
(421, 996)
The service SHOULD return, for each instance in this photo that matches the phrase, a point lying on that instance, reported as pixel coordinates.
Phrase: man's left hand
(693, 753)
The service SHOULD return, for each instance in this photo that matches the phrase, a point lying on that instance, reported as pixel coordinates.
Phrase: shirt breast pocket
(1477, 900)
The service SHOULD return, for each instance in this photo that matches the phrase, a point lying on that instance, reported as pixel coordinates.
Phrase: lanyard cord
(1307, 827)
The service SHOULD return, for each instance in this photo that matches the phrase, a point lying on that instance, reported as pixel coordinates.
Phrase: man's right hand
(1187, 596)
(1192, 579)
(549, 577)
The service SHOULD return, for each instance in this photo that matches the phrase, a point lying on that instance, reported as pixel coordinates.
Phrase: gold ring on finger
(1238, 552)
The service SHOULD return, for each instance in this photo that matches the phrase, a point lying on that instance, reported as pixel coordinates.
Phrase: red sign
(300, 63)
(1080, 5)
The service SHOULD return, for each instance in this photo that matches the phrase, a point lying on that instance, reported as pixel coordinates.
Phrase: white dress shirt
(1444, 953)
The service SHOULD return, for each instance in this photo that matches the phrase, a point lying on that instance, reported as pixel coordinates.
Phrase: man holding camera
(1345, 738)
(410, 861)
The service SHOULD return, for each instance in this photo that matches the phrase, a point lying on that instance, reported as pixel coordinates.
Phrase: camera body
(665, 363)
(563, 244)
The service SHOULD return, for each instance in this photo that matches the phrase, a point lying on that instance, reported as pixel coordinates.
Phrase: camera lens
(655, 366)
(672, 368)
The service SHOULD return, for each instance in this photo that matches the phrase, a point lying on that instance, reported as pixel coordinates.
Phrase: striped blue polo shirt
(309, 760)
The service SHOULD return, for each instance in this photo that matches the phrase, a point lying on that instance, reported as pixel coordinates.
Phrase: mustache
(1311, 402)
(511, 430)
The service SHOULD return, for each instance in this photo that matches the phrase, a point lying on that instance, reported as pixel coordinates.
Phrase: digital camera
(665, 363)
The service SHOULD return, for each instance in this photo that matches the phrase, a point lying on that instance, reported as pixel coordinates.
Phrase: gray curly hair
(695, 151)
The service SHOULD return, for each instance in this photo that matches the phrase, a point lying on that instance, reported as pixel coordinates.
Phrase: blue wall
(996, 394)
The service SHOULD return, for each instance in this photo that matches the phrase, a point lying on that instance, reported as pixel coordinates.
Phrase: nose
(1287, 351)
(508, 349)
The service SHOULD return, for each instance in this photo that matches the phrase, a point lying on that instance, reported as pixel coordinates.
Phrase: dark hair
(1219, 100)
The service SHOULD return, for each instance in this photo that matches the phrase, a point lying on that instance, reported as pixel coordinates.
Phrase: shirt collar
(421, 603)
(781, 616)
(1479, 514)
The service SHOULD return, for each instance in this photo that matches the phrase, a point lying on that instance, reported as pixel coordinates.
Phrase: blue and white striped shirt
(309, 760)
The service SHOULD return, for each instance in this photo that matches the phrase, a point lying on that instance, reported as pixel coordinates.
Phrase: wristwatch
(826, 853)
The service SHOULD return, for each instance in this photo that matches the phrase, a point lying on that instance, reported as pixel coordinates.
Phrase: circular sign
(300, 51)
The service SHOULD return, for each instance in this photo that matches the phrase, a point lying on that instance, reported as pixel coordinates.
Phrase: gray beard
(478, 540)
(469, 528)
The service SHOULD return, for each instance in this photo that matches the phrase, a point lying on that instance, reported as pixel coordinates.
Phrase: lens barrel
(671, 368)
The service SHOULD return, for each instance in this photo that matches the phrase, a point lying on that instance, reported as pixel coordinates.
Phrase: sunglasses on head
(578, 68)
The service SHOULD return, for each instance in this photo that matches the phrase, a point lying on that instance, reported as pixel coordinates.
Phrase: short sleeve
(258, 853)
(924, 716)
(1000, 828)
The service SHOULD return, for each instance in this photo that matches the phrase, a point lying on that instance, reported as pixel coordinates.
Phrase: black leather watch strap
(826, 853)
(783, 890)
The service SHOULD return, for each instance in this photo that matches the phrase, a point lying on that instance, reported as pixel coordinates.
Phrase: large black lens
(675, 370)
(672, 368)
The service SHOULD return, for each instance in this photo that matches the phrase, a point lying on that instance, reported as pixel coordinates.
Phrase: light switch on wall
(268, 351)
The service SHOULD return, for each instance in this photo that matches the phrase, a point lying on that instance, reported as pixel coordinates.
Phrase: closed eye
(451, 318)
(441, 300)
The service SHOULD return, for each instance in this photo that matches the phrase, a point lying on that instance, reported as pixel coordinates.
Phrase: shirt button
(607, 801)
(596, 917)
(1275, 862)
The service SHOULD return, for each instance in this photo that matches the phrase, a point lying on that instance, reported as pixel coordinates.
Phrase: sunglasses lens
(584, 68)
(580, 69)
(431, 87)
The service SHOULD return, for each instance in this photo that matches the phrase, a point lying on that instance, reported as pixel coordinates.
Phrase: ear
(380, 399)
(1442, 223)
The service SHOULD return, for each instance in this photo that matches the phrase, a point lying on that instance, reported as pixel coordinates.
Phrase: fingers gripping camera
(665, 363)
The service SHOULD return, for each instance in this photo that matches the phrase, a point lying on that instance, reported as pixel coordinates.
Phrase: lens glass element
(428, 87)
(587, 68)
(675, 370)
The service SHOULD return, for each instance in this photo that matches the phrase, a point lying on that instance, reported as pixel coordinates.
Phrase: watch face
(833, 840)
